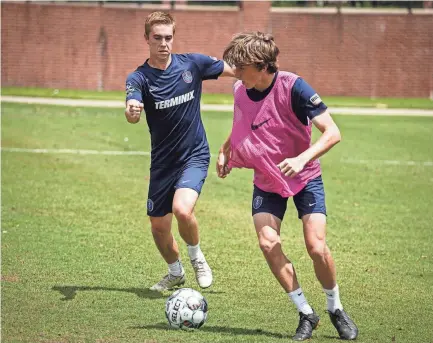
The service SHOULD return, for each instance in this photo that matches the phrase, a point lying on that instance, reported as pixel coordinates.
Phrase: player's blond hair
(158, 18)
(255, 48)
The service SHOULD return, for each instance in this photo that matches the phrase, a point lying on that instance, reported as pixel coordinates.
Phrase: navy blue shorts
(163, 185)
(311, 199)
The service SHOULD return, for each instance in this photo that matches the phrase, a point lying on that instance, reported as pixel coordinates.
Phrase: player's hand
(222, 167)
(133, 110)
(291, 166)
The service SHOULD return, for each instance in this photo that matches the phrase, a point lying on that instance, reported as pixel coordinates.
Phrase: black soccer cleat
(345, 326)
(307, 323)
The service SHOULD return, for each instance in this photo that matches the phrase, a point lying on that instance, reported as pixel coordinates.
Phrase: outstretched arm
(228, 71)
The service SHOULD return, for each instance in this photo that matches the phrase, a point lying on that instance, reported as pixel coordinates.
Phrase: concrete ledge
(204, 8)
(142, 6)
(91, 4)
(381, 11)
(312, 10)
(349, 10)
(178, 7)
(422, 11)
(224, 8)
(50, 3)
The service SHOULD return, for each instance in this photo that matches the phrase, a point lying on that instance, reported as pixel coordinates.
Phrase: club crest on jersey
(149, 205)
(257, 202)
(315, 99)
(187, 76)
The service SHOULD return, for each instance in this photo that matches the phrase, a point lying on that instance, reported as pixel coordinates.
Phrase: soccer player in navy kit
(168, 88)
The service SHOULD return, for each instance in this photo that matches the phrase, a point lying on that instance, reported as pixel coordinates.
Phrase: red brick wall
(368, 55)
(95, 47)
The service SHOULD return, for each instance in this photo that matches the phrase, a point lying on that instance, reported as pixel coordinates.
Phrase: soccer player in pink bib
(271, 134)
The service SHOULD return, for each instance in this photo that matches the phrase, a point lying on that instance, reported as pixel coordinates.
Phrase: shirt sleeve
(306, 103)
(134, 86)
(210, 67)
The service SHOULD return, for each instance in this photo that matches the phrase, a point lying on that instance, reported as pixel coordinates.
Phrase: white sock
(300, 301)
(176, 268)
(194, 252)
(333, 299)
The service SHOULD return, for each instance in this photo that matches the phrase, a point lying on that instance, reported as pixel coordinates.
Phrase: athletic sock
(298, 298)
(176, 268)
(333, 299)
(194, 252)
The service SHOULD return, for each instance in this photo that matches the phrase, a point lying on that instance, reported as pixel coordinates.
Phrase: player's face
(160, 41)
(249, 75)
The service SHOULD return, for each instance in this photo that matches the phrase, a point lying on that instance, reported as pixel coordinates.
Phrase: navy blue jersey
(306, 103)
(171, 100)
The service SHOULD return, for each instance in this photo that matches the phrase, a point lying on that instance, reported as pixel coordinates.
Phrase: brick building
(341, 51)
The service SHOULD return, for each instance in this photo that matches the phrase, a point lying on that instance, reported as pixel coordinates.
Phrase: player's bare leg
(164, 239)
(315, 240)
(167, 246)
(183, 209)
(324, 267)
(268, 232)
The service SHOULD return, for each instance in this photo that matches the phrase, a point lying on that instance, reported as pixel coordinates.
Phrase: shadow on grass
(69, 292)
(218, 329)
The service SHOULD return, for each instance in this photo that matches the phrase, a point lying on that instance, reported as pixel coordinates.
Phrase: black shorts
(311, 199)
(164, 182)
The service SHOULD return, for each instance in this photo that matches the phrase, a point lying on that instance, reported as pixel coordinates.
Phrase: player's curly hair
(255, 48)
(157, 18)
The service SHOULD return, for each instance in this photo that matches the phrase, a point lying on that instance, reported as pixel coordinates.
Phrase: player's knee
(269, 241)
(159, 226)
(317, 250)
(182, 213)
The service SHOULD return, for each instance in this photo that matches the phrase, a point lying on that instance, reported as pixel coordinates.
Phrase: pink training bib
(266, 132)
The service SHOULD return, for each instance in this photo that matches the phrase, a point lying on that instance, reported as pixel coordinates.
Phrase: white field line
(390, 162)
(146, 153)
(210, 107)
(77, 152)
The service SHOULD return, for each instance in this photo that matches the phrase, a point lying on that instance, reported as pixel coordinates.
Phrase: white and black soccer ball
(186, 309)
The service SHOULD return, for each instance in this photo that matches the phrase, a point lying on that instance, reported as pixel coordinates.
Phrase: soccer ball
(186, 309)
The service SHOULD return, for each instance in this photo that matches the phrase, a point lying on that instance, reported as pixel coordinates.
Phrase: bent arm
(225, 147)
(134, 98)
(330, 136)
(133, 111)
(222, 167)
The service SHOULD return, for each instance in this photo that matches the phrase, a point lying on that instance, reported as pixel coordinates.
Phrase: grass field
(331, 101)
(78, 257)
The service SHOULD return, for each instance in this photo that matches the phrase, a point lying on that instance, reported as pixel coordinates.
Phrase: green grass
(78, 256)
(222, 99)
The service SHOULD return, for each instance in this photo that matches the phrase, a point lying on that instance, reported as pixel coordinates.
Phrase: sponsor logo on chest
(174, 101)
